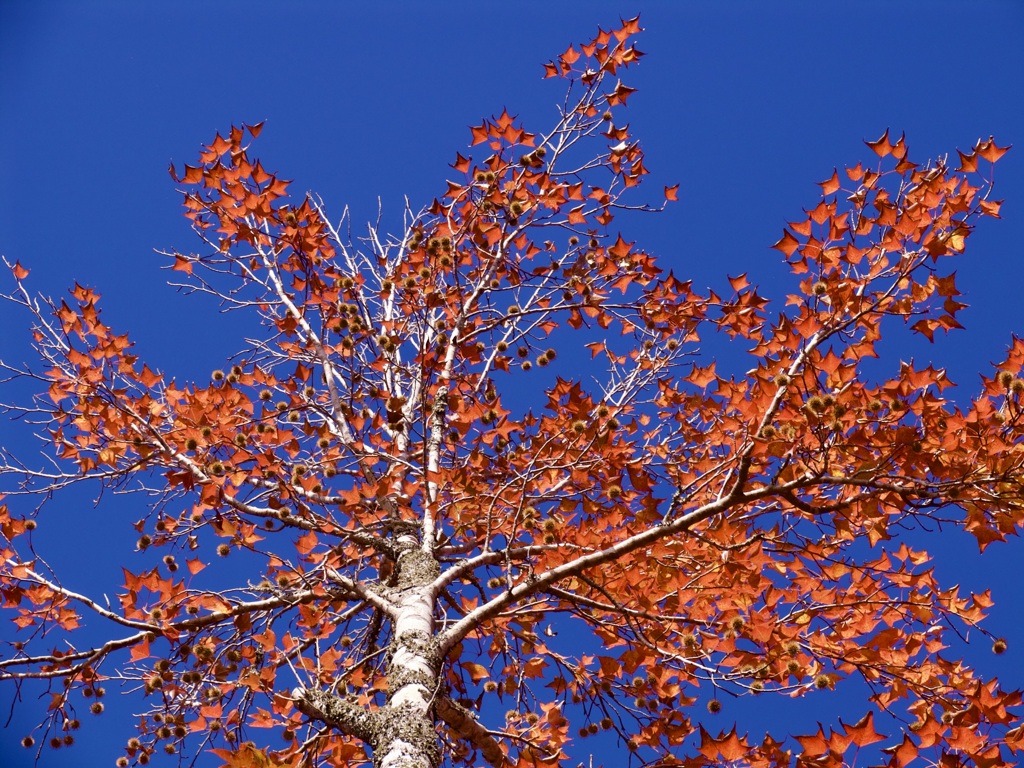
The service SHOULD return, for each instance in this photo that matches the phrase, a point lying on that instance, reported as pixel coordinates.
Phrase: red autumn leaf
(881, 146)
(787, 243)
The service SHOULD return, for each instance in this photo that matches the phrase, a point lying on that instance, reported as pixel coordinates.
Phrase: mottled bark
(402, 732)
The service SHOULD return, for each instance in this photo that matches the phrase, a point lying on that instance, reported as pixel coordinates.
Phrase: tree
(412, 532)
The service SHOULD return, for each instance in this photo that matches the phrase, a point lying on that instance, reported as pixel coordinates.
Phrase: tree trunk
(402, 733)
(407, 738)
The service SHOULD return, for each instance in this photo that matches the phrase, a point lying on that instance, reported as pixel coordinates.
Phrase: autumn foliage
(411, 530)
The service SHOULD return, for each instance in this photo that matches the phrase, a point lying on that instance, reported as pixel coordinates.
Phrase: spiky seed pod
(515, 208)
(501, 346)
(614, 491)
(217, 375)
(594, 242)
(999, 646)
(241, 440)
(409, 283)
(293, 417)
(386, 286)
(579, 426)
(549, 538)
(816, 404)
(823, 681)
(121, 762)
(96, 707)
(550, 353)
(513, 309)
(1017, 386)
(714, 706)
(612, 424)
(1005, 378)
(542, 361)
(28, 742)
(217, 468)
(573, 240)
(480, 177)
(527, 365)
(606, 116)
(737, 623)
(820, 288)
(490, 686)
(494, 582)
(875, 405)
(144, 541)
(223, 550)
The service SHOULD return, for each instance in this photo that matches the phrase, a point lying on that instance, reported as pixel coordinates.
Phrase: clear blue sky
(745, 104)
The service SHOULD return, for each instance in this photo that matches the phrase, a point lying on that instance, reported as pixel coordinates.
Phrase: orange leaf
(881, 146)
(787, 243)
(831, 185)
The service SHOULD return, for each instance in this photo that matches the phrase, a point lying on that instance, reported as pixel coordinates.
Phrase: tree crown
(415, 527)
